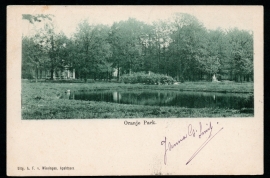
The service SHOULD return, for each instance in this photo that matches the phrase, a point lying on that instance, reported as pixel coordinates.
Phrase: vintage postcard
(134, 90)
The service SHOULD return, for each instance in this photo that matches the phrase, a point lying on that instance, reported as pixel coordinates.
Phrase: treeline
(180, 47)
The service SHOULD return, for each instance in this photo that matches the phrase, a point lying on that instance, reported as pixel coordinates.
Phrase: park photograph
(136, 62)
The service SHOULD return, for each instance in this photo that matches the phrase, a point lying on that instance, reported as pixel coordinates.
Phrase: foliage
(153, 79)
(180, 47)
(27, 75)
(93, 49)
(36, 18)
(32, 57)
(46, 48)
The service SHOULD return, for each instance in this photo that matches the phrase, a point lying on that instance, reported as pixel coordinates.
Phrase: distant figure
(214, 79)
(68, 94)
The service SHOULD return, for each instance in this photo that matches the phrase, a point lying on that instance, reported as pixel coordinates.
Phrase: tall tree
(241, 54)
(125, 37)
(53, 44)
(33, 57)
(188, 39)
(92, 43)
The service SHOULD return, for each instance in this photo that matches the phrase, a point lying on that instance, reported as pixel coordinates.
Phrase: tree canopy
(180, 47)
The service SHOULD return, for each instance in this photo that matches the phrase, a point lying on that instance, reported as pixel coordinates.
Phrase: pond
(167, 98)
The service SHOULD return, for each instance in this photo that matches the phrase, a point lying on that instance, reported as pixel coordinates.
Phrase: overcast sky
(225, 17)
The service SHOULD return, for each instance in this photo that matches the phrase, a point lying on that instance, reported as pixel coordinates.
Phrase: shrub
(27, 75)
(153, 79)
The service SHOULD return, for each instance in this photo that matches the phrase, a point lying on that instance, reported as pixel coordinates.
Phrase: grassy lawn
(42, 101)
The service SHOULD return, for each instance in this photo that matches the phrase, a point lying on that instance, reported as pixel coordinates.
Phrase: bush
(153, 79)
(27, 75)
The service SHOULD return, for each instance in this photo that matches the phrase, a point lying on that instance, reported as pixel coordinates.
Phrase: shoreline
(42, 101)
(223, 87)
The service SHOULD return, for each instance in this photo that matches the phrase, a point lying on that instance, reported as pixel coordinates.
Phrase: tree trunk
(130, 67)
(52, 58)
(51, 74)
(36, 73)
(85, 78)
(159, 58)
(40, 73)
(107, 78)
(118, 72)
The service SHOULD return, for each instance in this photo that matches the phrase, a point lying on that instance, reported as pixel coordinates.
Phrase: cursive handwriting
(205, 131)
(171, 146)
(191, 132)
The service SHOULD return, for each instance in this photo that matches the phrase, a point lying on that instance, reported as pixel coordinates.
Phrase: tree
(240, 53)
(92, 43)
(36, 18)
(49, 43)
(211, 55)
(180, 47)
(161, 39)
(188, 39)
(33, 53)
(32, 57)
(53, 45)
(125, 38)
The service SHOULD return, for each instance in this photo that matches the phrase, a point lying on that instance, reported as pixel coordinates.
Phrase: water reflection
(116, 96)
(168, 98)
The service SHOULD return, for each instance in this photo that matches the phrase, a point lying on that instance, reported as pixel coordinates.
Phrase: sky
(213, 17)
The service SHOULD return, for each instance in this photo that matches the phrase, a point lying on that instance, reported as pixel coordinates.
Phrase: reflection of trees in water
(116, 97)
(214, 100)
(191, 100)
(171, 98)
(94, 96)
(144, 98)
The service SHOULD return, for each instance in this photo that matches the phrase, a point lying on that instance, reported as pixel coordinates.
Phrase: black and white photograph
(174, 64)
(135, 90)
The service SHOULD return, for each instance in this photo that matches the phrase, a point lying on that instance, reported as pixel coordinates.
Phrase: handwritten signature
(191, 132)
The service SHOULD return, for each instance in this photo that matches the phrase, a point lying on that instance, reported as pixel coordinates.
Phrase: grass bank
(224, 87)
(41, 101)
